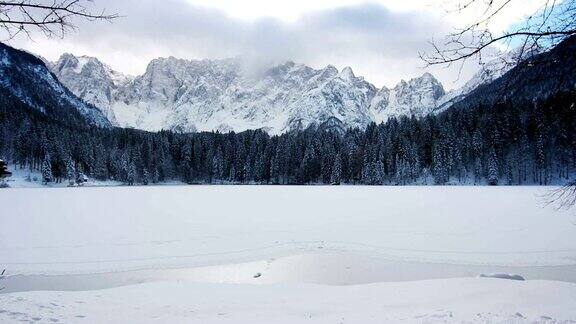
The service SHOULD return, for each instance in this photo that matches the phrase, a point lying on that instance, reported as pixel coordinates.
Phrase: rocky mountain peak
(67, 61)
(91, 80)
(330, 71)
(198, 95)
(347, 73)
(416, 97)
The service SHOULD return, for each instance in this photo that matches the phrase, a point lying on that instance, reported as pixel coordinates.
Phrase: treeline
(508, 143)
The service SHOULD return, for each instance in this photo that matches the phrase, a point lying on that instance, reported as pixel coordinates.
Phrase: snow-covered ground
(26, 178)
(433, 301)
(257, 254)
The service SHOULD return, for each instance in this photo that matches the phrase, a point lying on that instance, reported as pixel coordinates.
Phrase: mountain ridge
(218, 95)
(203, 95)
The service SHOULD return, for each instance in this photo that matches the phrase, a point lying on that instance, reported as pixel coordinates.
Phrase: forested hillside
(508, 143)
(25, 78)
(518, 129)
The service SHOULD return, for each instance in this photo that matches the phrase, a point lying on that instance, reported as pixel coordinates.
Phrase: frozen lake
(89, 238)
(321, 268)
(248, 254)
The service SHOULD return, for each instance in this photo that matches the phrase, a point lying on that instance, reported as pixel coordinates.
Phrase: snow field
(252, 254)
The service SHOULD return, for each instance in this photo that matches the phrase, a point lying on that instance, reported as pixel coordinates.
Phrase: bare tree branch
(555, 21)
(53, 17)
(563, 197)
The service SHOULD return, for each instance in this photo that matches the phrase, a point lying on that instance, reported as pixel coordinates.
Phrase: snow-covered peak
(91, 80)
(330, 71)
(69, 61)
(417, 97)
(428, 77)
(347, 73)
(426, 82)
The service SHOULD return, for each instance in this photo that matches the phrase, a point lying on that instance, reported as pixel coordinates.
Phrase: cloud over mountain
(380, 44)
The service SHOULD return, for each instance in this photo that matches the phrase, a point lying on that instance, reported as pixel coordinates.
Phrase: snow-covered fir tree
(131, 174)
(70, 171)
(336, 176)
(492, 168)
(80, 175)
(47, 176)
(145, 177)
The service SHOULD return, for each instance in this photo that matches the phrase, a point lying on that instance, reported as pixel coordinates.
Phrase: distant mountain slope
(25, 78)
(534, 78)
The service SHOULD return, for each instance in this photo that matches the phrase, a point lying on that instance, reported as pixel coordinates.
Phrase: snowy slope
(493, 68)
(26, 78)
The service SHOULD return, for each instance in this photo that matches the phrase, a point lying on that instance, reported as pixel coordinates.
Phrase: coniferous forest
(510, 143)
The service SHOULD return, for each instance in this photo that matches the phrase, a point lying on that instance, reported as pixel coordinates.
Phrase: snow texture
(470, 300)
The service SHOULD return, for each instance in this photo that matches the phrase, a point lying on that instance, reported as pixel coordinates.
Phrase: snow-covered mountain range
(204, 95)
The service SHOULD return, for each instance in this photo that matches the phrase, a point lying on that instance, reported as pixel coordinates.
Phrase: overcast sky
(380, 40)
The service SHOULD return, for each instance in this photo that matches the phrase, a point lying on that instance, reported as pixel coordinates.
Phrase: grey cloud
(377, 43)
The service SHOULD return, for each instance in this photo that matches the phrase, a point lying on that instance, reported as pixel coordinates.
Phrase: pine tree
(47, 170)
(145, 177)
(247, 172)
(232, 175)
(155, 176)
(274, 170)
(124, 166)
(402, 171)
(493, 174)
(310, 165)
(218, 165)
(80, 176)
(379, 173)
(100, 171)
(131, 176)
(478, 170)
(336, 175)
(440, 170)
(366, 174)
(70, 171)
